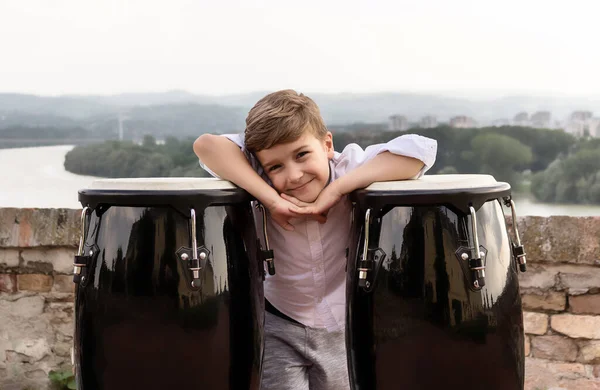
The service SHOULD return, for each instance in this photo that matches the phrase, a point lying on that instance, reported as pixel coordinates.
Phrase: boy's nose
(295, 175)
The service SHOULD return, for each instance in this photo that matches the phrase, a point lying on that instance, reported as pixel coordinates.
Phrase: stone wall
(561, 298)
(36, 294)
(561, 302)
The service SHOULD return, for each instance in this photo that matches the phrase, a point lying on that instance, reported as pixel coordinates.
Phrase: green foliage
(455, 145)
(62, 380)
(499, 155)
(572, 179)
(562, 168)
(126, 159)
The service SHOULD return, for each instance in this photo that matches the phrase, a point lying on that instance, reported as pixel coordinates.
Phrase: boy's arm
(226, 159)
(383, 167)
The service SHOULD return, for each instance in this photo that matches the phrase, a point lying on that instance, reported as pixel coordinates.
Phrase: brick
(34, 282)
(554, 348)
(546, 374)
(33, 348)
(535, 323)
(589, 351)
(551, 300)
(585, 304)
(26, 228)
(578, 278)
(576, 326)
(24, 307)
(561, 239)
(9, 258)
(8, 283)
(63, 284)
(539, 277)
(527, 345)
(59, 260)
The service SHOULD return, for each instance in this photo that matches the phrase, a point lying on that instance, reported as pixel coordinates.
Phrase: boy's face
(299, 168)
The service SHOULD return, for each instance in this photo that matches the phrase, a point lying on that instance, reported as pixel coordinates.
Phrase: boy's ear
(329, 145)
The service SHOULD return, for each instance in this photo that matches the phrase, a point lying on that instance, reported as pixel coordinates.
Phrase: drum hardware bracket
(266, 254)
(475, 255)
(368, 269)
(269, 258)
(81, 261)
(196, 264)
(517, 248)
(475, 263)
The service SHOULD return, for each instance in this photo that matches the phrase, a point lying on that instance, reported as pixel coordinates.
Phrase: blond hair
(282, 117)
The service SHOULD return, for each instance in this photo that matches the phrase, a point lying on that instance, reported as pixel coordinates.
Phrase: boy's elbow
(412, 168)
(203, 144)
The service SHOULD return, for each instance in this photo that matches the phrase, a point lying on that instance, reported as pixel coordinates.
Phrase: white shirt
(310, 281)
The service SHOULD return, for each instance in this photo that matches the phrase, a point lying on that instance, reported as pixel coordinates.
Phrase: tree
(500, 156)
(149, 142)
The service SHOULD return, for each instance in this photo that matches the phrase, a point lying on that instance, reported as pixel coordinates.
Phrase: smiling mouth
(302, 186)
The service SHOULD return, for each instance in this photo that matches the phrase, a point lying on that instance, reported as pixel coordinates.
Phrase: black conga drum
(169, 288)
(432, 295)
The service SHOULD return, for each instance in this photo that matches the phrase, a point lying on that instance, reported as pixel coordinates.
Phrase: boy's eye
(274, 167)
(302, 154)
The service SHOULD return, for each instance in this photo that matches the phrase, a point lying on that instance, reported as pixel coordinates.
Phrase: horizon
(459, 94)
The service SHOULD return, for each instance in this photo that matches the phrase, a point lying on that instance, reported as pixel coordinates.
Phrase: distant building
(462, 122)
(541, 119)
(581, 116)
(594, 127)
(397, 123)
(581, 123)
(574, 127)
(428, 122)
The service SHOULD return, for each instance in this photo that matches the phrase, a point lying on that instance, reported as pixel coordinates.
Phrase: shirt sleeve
(238, 139)
(409, 145)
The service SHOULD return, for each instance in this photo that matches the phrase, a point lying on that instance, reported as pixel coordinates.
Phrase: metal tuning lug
(517, 248)
(81, 261)
(199, 255)
(365, 266)
(474, 255)
(266, 254)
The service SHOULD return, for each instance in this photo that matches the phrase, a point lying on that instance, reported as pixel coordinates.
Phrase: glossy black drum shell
(422, 326)
(139, 325)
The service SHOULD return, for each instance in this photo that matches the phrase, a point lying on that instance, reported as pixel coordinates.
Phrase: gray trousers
(303, 358)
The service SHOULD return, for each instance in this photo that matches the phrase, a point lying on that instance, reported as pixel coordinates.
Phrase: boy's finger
(293, 200)
(302, 210)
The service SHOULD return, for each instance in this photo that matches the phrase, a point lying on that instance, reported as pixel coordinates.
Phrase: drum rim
(152, 184)
(458, 198)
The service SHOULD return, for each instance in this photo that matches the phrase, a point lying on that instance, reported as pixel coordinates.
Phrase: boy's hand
(328, 198)
(281, 213)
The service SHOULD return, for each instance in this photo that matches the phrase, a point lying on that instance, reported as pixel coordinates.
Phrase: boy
(286, 160)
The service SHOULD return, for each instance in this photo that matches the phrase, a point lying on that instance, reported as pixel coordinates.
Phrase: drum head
(457, 191)
(162, 184)
(181, 193)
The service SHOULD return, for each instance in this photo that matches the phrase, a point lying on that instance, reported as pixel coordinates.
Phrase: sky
(456, 47)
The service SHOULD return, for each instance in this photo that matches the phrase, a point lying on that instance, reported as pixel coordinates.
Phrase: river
(36, 177)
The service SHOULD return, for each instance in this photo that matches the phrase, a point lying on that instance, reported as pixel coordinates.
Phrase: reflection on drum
(169, 290)
(432, 291)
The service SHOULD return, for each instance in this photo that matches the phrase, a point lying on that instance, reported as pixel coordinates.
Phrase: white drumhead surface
(436, 183)
(162, 184)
